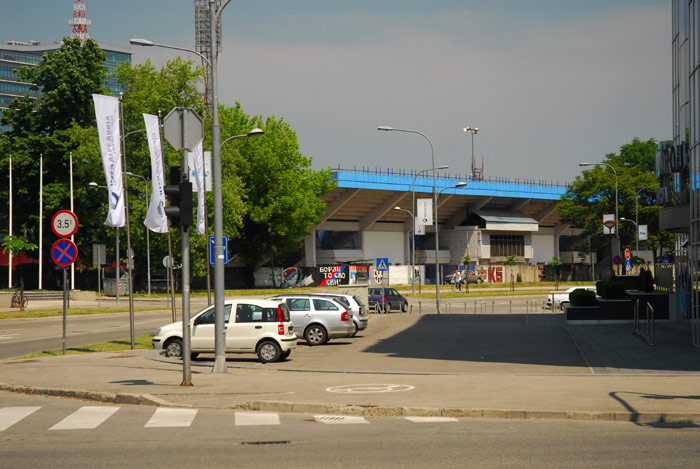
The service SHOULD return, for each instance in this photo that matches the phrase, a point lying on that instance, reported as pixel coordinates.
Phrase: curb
(370, 410)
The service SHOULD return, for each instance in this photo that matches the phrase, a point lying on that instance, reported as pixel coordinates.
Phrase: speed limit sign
(64, 224)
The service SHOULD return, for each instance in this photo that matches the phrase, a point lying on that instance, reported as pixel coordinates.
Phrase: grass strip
(140, 343)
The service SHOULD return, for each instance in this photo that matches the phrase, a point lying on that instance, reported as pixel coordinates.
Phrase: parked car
(386, 299)
(317, 319)
(470, 276)
(561, 299)
(258, 326)
(360, 314)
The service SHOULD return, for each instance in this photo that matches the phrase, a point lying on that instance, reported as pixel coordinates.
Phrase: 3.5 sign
(64, 223)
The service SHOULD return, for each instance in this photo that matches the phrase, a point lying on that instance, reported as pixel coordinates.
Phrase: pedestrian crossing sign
(382, 263)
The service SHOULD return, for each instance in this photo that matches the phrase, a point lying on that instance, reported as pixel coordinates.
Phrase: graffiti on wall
(490, 274)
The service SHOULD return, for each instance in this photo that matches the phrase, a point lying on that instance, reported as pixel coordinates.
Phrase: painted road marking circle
(369, 388)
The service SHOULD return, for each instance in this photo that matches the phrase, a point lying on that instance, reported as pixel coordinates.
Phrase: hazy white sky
(549, 83)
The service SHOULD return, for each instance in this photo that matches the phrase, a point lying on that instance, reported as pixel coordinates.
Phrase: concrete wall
(384, 244)
(543, 248)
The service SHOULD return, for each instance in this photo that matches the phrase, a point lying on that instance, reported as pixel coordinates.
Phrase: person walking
(458, 280)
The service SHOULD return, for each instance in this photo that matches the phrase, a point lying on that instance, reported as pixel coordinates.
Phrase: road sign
(64, 252)
(211, 249)
(183, 120)
(64, 223)
(628, 265)
(382, 264)
(627, 254)
(617, 260)
(166, 262)
(99, 254)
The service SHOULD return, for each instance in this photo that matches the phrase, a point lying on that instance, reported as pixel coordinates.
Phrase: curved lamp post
(472, 130)
(386, 128)
(413, 252)
(459, 184)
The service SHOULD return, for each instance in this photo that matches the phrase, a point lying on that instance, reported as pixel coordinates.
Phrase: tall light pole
(472, 130)
(94, 185)
(458, 185)
(636, 210)
(617, 228)
(636, 228)
(413, 251)
(148, 231)
(386, 128)
(414, 209)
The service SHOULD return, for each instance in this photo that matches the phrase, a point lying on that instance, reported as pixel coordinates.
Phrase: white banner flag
(155, 217)
(198, 157)
(107, 114)
(424, 215)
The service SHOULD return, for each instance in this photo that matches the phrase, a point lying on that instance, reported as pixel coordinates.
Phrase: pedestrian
(458, 280)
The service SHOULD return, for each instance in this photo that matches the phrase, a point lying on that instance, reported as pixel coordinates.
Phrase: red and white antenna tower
(79, 22)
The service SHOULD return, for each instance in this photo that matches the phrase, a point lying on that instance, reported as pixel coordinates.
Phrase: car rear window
(342, 300)
(359, 301)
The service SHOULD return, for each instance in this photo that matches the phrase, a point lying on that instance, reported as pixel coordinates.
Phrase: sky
(549, 83)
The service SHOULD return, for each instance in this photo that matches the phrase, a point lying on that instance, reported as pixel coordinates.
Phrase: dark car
(383, 300)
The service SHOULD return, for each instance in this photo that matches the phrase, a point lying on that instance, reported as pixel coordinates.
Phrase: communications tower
(79, 22)
(202, 35)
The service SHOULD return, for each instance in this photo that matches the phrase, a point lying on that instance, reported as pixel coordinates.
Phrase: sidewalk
(530, 367)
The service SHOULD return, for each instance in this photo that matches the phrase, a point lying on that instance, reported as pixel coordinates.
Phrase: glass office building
(14, 55)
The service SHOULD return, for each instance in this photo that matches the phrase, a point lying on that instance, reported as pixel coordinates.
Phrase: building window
(507, 245)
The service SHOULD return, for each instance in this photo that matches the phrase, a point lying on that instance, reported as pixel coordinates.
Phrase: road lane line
(163, 417)
(11, 415)
(85, 418)
(256, 418)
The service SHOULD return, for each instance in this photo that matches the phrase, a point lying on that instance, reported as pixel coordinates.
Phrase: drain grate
(258, 443)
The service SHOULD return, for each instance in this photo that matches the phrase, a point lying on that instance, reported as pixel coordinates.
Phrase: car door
(393, 298)
(245, 327)
(202, 330)
(300, 312)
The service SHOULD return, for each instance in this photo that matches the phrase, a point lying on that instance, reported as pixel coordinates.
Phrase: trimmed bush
(647, 281)
(640, 279)
(582, 297)
(611, 289)
(519, 278)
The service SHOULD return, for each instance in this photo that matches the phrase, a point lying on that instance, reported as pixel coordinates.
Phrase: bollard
(420, 307)
(474, 306)
(510, 306)
(465, 307)
(492, 305)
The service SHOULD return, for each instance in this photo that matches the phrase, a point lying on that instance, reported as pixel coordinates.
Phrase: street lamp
(386, 128)
(219, 292)
(253, 133)
(459, 184)
(636, 228)
(94, 185)
(413, 252)
(148, 235)
(472, 130)
(617, 230)
(414, 208)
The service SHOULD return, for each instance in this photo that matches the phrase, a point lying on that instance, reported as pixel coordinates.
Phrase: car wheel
(404, 307)
(479, 280)
(315, 335)
(387, 308)
(173, 348)
(563, 305)
(355, 331)
(269, 351)
(285, 354)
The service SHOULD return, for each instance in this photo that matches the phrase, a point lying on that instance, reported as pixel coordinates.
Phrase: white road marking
(172, 418)
(256, 418)
(85, 418)
(11, 415)
(8, 336)
(339, 419)
(431, 419)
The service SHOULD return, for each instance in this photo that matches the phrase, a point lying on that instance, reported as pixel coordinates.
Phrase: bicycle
(19, 300)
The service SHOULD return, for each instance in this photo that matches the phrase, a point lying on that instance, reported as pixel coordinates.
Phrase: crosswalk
(92, 416)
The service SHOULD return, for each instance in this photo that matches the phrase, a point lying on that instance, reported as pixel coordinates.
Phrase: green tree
(592, 195)
(556, 263)
(280, 191)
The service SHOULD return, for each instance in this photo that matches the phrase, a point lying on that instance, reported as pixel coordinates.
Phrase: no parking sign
(64, 252)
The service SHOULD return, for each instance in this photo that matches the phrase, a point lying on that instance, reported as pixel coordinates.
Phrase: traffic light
(179, 194)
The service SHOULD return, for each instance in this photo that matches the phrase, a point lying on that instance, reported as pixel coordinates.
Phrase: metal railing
(651, 327)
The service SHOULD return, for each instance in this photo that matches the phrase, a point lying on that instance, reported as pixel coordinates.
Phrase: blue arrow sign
(211, 249)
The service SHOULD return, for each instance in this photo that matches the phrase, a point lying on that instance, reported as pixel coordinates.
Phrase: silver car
(360, 314)
(317, 319)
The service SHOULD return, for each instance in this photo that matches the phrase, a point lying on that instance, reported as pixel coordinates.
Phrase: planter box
(607, 310)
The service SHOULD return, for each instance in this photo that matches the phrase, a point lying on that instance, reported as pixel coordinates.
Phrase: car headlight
(158, 331)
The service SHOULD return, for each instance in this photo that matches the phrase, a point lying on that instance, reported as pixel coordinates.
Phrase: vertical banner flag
(424, 212)
(107, 114)
(155, 217)
(643, 233)
(198, 157)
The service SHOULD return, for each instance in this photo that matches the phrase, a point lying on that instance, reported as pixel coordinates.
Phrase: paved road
(48, 432)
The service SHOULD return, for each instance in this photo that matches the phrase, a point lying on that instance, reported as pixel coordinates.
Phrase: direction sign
(64, 252)
(64, 223)
(211, 249)
(382, 264)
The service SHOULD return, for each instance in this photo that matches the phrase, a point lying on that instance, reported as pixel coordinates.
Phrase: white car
(258, 326)
(360, 313)
(561, 299)
(318, 319)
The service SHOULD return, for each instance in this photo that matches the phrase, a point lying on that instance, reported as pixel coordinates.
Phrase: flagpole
(9, 282)
(41, 218)
(72, 238)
